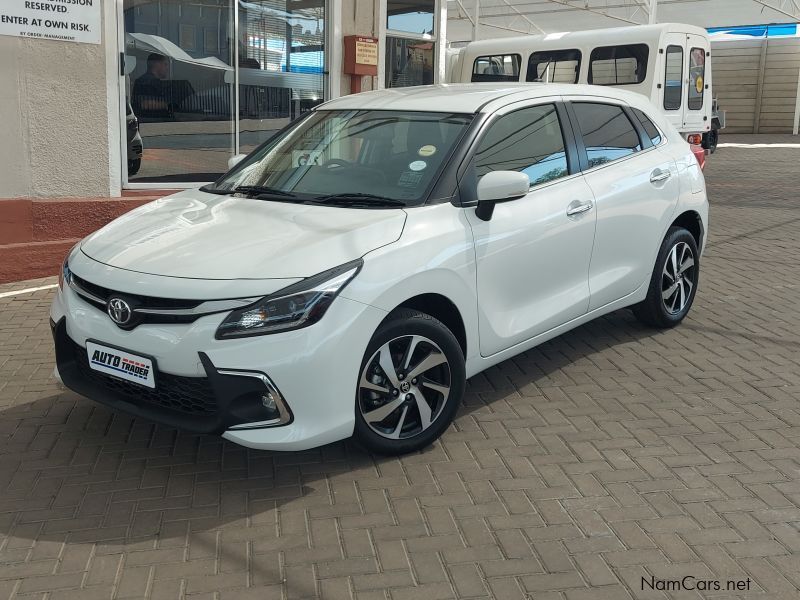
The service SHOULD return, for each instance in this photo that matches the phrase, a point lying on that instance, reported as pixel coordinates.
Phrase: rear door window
(607, 132)
(497, 67)
(697, 78)
(618, 65)
(673, 78)
(554, 66)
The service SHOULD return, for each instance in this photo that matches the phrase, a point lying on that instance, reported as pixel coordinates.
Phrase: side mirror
(500, 186)
(235, 160)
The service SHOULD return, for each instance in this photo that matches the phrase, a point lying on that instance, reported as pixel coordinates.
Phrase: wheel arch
(442, 308)
(693, 223)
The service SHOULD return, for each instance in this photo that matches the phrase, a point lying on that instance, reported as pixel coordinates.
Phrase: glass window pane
(697, 74)
(408, 62)
(498, 67)
(179, 89)
(607, 132)
(528, 140)
(281, 65)
(650, 129)
(673, 78)
(618, 65)
(554, 66)
(411, 16)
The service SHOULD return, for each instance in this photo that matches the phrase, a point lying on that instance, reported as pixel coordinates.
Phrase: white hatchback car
(349, 275)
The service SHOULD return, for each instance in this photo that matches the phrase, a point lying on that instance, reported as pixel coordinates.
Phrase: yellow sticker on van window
(427, 150)
(698, 84)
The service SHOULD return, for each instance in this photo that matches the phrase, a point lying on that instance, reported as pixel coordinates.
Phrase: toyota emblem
(119, 311)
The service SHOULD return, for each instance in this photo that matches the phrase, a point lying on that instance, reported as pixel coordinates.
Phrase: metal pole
(653, 12)
(796, 128)
(476, 20)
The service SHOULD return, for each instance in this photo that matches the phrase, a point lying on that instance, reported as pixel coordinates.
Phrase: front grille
(98, 296)
(148, 301)
(188, 395)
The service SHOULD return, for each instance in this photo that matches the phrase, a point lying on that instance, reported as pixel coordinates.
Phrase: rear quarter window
(649, 127)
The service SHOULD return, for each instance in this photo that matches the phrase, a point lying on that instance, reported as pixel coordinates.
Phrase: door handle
(577, 208)
(658, 175)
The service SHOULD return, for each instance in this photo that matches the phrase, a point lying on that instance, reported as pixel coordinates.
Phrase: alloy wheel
(404, 386)
(678, 278)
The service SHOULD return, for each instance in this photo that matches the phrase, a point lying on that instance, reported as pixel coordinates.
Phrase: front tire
(673, 283)
(411, 383)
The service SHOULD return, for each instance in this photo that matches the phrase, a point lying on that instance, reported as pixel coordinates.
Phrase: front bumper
(221, 400)
(315, 369)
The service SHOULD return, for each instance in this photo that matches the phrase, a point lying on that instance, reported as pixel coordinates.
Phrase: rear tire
(673, 284)
(410, 386)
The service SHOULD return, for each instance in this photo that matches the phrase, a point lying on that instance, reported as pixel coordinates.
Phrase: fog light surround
(271, 399)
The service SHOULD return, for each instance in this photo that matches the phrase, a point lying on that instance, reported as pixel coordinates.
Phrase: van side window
(528, 140)
(697, 78)
(554, 66)
(607, 132)
(649, 127)
(618, 65)
(498, 67)
(673, 78)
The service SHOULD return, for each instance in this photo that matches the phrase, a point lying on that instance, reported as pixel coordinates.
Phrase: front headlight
(299, 305)
(65, 275)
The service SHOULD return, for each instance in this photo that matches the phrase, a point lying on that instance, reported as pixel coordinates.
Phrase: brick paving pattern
(610, 454)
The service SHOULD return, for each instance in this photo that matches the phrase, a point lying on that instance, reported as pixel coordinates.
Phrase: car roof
(469, 97)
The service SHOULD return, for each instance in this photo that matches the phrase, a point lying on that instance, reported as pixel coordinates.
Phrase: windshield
(389, 155)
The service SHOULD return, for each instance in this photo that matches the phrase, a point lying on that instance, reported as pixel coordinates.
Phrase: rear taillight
(695, 139)
(700, 154)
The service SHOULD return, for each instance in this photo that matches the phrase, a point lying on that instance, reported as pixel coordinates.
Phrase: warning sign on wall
(65, 20)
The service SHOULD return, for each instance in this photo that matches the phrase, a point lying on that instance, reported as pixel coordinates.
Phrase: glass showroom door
(179, 89)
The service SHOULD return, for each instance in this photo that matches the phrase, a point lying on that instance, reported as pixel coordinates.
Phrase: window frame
(490, 56)
(468, 180)
(565, 51)
(583, 155)
(642, 72)
(689, 87)
(643, 131)
(680, 95)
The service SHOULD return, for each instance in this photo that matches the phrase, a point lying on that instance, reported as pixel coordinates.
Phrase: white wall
(54, 138)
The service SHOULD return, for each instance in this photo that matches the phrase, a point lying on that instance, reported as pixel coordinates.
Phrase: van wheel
(411, 383)
(673, 283)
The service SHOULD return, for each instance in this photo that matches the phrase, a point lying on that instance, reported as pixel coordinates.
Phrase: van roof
(614, 36)
(469, 97)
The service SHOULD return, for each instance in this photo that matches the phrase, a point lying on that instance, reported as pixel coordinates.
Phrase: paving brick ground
(573, 471)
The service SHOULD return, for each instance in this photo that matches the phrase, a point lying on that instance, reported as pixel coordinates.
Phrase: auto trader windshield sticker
(427, 150)
(417, 165)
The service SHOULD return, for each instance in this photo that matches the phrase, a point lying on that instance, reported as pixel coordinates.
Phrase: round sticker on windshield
(427, 150)
(417, 165)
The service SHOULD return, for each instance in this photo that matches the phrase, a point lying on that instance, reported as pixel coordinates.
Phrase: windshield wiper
(254, 191)
(351, 199)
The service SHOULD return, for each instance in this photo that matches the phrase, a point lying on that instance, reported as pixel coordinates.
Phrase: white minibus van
(669, 63)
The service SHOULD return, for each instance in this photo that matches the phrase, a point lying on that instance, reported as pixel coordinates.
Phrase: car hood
(195, 234)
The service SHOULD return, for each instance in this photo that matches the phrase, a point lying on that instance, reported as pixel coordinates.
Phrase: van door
(673, 79)
(696, 117)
